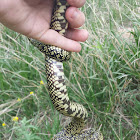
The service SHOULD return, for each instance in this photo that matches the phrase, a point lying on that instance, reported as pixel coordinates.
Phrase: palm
(31, 18)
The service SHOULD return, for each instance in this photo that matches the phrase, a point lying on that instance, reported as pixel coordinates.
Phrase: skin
(32, 18)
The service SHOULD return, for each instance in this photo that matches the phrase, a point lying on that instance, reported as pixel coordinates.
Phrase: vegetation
(104, 77)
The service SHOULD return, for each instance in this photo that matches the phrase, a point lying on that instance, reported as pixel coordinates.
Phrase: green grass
(104, 77)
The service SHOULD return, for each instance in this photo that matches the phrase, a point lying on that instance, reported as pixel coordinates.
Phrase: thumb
(52, 37)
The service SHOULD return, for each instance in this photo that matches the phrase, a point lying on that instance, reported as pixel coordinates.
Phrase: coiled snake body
(56, 83)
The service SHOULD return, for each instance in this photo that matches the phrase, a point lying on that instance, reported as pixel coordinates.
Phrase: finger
(77, 34)
(75, 17)
(54, 38)
(76, 3)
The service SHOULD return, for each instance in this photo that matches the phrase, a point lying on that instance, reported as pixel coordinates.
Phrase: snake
(54, 58)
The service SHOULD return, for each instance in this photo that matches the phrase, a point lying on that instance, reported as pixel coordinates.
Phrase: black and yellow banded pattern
(54, 57)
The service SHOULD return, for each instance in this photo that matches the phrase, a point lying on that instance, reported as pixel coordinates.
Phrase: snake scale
(54, 58)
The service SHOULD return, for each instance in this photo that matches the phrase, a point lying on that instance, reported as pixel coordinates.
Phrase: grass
(104, 77)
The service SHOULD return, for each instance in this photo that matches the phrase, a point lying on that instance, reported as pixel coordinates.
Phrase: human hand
(32, 18)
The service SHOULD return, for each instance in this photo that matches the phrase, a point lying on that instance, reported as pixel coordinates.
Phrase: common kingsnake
(54, 57)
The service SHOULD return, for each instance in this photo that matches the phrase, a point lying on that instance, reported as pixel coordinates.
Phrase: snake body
(54, 58)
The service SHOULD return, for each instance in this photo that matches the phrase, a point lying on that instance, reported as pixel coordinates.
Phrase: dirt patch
(126, 33)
